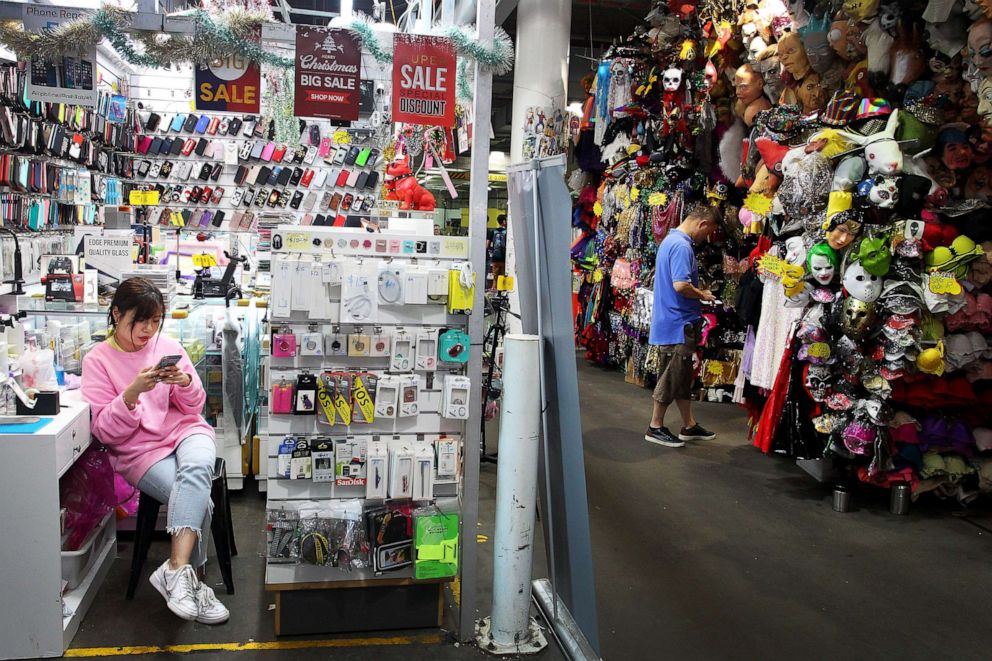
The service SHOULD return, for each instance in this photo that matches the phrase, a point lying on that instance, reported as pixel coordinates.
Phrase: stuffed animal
(400, 184)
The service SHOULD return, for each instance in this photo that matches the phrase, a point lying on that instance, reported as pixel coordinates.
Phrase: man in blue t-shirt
(675, 325)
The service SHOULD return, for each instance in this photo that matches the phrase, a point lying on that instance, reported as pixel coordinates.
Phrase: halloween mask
(882, 191)
(888, 16)
(748, 84)
(968, 105)
(985, 99)
(817, 382)
(671, 80)
(795, 250)
(755, 48)
(856, 317)
(811, 94)
(980, 46)
(979, 184)
(954, 149)
(860, 10)
(906, 60)
(861, 284)
(818, 51)
(792, 54)
(841, 234)
(821, 262)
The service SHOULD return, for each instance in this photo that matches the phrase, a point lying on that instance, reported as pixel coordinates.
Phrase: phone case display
(854, 245)
(390, 536)
(378, 430)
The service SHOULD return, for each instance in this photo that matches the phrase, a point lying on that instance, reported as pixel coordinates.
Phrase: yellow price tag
(295, 241)
(818, 350)
(504, 283)
(714, 367)
(597, 208)
(771, 265)
(635, 193)
(597, 276)
(342, 138)
(140, 198)
(944, 282)
(657, 199)
(361, 396)
(758, 203)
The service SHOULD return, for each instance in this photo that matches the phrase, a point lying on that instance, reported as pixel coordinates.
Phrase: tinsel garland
(278, 98)
(497, 58)
(231, 34)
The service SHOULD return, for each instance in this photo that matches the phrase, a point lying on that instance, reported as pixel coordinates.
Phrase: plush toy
(400, 184)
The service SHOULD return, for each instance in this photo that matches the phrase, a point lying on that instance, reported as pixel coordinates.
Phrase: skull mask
(882, 191)
(817, 382)
(671, 80)
(888, 16)
(862, 285)
(857, 317)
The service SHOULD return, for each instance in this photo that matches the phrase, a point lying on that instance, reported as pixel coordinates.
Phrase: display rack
(351, 599)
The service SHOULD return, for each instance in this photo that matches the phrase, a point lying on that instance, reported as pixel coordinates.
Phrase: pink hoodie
(163, 417)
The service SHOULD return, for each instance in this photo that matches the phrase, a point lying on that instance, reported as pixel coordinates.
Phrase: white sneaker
(179, 587)
(211, 611)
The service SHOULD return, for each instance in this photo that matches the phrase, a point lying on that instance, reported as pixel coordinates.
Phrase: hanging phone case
(177, 122)
(267, 151)
(282, 398)
(353, 178)
(190, 123)
(202, 124)
(363, 157)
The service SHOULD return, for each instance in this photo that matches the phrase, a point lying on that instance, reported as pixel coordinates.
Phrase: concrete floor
(708, 552)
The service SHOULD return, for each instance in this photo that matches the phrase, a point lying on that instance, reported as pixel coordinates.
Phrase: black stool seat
(221, 528)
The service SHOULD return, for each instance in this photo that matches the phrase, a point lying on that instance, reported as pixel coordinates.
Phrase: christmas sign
(229, 84)
(328, 73)
(423, 80)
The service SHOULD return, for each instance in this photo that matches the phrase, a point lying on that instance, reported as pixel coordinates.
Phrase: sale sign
(328, 73)
(423, 80)
(229, 84)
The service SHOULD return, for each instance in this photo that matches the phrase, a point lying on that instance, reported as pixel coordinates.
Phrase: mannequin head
(748, 83)
(792, 54)
(980, 46)
(821, 262)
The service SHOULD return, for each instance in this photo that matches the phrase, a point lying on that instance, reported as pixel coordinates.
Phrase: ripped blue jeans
(183, 480)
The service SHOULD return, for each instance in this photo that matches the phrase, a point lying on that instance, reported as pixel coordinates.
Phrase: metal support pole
(478, 205)
(510, 629)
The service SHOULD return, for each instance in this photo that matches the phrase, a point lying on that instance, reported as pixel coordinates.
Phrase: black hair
(140, 295)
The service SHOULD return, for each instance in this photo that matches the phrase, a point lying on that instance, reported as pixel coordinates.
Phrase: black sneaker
(661, 436)
(696, 433)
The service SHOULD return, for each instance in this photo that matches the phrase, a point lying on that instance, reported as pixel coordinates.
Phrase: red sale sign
(328, 73)
(423, 80)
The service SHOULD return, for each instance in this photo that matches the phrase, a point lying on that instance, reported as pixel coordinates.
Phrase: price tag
(139, 198)
(818, 350)
(944, 282)
(657, 199)
(342, 138)
(204, 261)
(294, 241)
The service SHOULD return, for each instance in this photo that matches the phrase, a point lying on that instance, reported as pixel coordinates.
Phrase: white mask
(821, 269)
(795, 250)
(755, 48)
(671, 80)
(862, 285)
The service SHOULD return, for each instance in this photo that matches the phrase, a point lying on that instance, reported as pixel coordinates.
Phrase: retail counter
(39, 616)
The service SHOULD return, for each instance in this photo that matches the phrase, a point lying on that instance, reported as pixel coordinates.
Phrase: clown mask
(862, 285)
(821, 269)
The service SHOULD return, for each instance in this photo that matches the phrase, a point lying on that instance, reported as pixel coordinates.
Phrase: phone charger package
(391, 278)
(377, 462)
(359, 298)
(426, 357)
(455, 399)
(437, 284)
(415, 286)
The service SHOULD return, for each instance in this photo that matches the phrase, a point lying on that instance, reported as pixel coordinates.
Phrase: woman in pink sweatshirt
(149, 419)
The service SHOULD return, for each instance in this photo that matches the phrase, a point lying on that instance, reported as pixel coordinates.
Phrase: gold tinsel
(66, 39)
